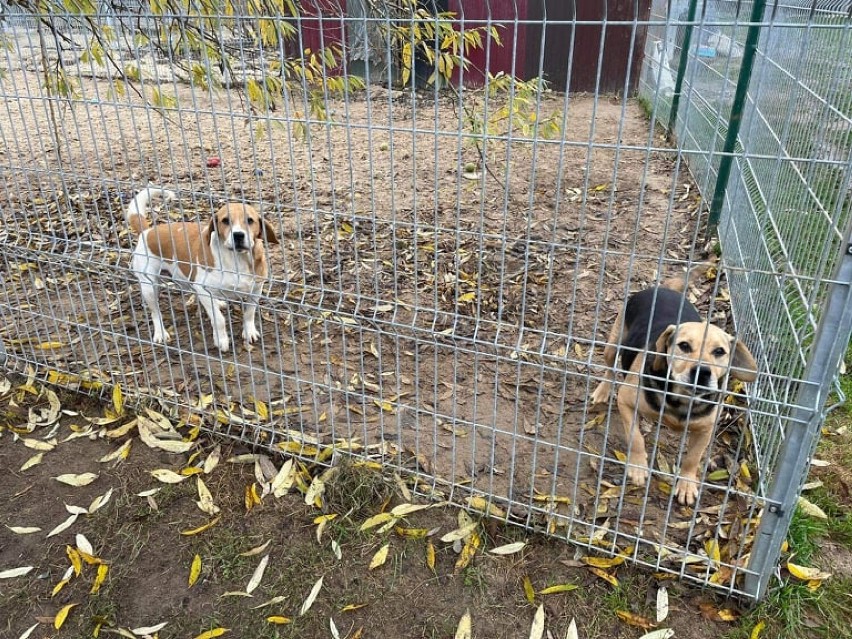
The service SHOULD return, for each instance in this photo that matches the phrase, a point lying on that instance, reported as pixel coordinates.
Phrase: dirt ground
(142, 540)
(443, 326)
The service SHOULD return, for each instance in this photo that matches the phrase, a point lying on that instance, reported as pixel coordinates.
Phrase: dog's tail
(680, 282)
(137, 210)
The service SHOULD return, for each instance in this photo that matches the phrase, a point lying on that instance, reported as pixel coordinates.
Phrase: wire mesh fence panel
(449, 204)
(783, 213)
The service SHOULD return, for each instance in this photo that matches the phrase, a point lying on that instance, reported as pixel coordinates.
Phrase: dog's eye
(685, 347)
(225, 221)
(250, 221)
(719, 352)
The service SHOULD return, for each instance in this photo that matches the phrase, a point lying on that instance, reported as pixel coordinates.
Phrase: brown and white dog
(223, 260)
(676, 367)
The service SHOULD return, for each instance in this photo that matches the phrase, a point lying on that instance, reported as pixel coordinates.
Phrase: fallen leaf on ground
(508, 549)
(149, 630)
(662, 604)
(806, 573)
(537, 628)
(24, 530)
(29, 631)
(811, 509)
(464, 629)
(380, 557)
(167, 476)
(552, 590)
(758, 628)
(256, 550)
(32, 461)
(210, 634)
(256, 578)
(635, 620)
(63, 526)
(572, 630)
(15, 572)
(194, 570)
(662, 633)
(311, 597)
(101, 576)
(202, 528)
(62, 615)
(278, 619)
(72, 479)
(529, 592)
(460, 533)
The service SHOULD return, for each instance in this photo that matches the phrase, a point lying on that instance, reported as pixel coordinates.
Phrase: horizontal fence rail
(457, 200)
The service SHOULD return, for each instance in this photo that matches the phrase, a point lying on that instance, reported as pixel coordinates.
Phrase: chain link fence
(462, 208)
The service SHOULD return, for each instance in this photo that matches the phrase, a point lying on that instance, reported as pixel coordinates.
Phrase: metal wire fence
(456, 237)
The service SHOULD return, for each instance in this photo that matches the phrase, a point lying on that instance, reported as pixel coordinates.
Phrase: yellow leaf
(467, 297)
(201, 529)
(552, 590)
(118, 399)
(805, 573)
(463, 630)
(529, 592)
(103, 569)
(376, 520)
(468, 551)
(600, 562)
(194, 570)
(430, 555)
(758, 628)
(380, 557)
(277, 619)
(350, 607)
(726, 614)
(256, 550)
(76, 561)
(635, 620)
(620, 456)
(71, 479)
(62, 615)
(610, 579)
(411, 533)
(60, 586)
(810, 509)
(508, 549)
(210, 634)
(711, 547)
(480, 503)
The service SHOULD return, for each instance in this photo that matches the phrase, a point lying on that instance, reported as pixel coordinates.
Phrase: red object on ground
(213, 162)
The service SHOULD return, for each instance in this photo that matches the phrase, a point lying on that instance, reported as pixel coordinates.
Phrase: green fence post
(736, 118)
(681, 65)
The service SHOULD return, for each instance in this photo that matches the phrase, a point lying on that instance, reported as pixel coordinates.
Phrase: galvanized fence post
(736, 118)
(681, 66)
(829, 347)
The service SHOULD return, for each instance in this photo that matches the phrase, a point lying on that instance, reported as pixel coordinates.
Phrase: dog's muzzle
(702, 376)
(240, 241)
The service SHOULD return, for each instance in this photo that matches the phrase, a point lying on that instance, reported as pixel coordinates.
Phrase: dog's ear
(743, 366)
(661, 349)
(208, 231)
(267, 232)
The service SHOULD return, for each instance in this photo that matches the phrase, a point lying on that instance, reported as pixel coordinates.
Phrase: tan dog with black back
(676, 367)
(220, 261)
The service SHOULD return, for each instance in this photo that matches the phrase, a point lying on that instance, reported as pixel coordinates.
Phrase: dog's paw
(686, 490)
(162, 337)
(602, 392)
(250, 334)
(638, 472)
(223, 343)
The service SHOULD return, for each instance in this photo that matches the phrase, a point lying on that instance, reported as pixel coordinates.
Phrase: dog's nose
(701, 375)
(239, 239)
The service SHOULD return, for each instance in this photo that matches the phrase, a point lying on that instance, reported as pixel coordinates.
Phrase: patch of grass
(222, 551)
(356, 490)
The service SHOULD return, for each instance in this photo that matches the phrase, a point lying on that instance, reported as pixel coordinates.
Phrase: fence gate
(455, 238)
